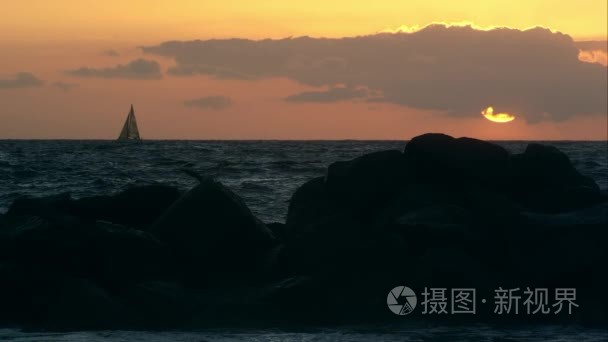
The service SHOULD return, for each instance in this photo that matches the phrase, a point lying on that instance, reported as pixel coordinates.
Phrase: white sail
(130, 130)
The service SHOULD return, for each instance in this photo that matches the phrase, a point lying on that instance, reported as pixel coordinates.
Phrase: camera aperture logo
(441, 300)
(401, 300)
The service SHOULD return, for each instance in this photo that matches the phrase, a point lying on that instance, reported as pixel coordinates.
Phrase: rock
(298, 297)
(108, 253)
(446, 213)
(17, 284)
(452, 220)
(279, 230)
(544, 179)
(120, 255)
(309, 203)
(367, 181)
(542, 166)
(436, 216)
(357, 188)
(137, 207)
(77, 304)
(48, 244)
(442, 226)
(483, 206)
(595, 216)
(325, 245)
(453, 266)
(564, 243)
(160, 304)
(212, 230)
(440, 158)
(43, 299)
(329, 299)
(414, 196)
(50, 206)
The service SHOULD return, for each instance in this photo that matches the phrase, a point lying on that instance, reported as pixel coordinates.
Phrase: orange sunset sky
(71, 68)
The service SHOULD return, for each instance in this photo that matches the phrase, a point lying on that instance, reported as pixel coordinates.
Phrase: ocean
(404, 333)
(264, 174)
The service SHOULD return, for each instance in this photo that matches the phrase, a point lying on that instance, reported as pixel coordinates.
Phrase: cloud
(601, 45)
(110, 53)
(210, 102)
(332, 95)
(463, 23)
(593, 51)
(594, 56)
(65, 86)
(136, 69)
(455, 70)
(21, 80)
(213, 71)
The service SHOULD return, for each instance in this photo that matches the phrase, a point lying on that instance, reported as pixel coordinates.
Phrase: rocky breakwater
(443, 213)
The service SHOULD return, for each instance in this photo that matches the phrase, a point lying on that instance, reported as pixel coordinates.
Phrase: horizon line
(296, 140)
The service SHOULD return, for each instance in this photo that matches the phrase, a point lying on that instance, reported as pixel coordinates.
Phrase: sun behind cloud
(489, 114)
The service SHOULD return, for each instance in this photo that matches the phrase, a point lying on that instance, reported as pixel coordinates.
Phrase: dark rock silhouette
(211, 230)
(308, 203)
(136, 207)
(545, 179)
(45, 207)
(68, 304)
(441, 158)
(367, 181)
(445, 213)
(159, 303)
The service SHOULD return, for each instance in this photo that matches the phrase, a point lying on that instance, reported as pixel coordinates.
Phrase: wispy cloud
(210, 102)
(21, 80)
(110, 53)
(137, 69)
(334, 94)
(64, 86)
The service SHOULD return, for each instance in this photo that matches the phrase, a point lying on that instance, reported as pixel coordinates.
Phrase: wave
(255, 186)
(273, 169)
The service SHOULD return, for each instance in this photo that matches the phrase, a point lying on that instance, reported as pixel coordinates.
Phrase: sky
(70, 69)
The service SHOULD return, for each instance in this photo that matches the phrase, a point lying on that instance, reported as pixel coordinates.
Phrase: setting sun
(488, 113)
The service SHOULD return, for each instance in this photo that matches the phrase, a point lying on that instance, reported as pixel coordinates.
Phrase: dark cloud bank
(137, 69)
(601, 45)
(331, 95)
(21, 80)
(210, 102)
(534, 73)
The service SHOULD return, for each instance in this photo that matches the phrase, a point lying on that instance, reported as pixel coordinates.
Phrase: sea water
(264, 174)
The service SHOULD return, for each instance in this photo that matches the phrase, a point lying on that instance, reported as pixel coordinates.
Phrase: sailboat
(130, 130)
